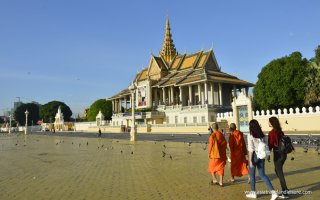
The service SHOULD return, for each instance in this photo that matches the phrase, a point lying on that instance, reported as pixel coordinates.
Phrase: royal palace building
(177, 89)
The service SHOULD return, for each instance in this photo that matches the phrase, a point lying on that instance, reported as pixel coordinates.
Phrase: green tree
(103, 105)
(281, 83)
(49, 110)
(33, 116)
(312, 97)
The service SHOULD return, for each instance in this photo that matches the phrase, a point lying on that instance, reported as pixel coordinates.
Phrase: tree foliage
(33, 115)
(312, 97)
(103, 105)
(281, 83)
(49, 110)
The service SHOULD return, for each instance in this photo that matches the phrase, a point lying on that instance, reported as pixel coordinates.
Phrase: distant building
(178, 89)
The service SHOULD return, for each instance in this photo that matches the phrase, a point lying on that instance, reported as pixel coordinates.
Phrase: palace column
(206, 93)
(125, 102)
(120, 105)
(220, 94)
(199, 93)
(116, 105)
(156, 96)
(190, 95)
(172, 95)
(180, 95)
(164, 95)
(212, 93)
(160, 97)
(112, 106)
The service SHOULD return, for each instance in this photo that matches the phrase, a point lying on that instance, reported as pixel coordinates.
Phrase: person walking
(238, 152)
(99, 132)
(279, 157)
(217, 155)
(255, 137)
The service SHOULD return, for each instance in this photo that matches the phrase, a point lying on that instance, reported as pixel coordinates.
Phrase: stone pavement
(59, 167)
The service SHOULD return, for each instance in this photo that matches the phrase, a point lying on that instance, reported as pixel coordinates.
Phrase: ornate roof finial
(168, 51)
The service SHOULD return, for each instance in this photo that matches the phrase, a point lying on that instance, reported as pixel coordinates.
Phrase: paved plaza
(62, 167)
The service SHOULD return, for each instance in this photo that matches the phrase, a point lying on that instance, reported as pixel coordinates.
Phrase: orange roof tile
(188, 61)
(176, 63)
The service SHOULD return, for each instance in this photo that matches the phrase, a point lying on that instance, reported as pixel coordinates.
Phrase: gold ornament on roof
(168, 51)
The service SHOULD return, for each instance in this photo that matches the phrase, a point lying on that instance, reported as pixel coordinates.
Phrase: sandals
(216, 183)
(213, 183)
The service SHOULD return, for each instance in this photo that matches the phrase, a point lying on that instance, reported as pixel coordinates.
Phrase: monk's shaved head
(233, 126)
(215, 126)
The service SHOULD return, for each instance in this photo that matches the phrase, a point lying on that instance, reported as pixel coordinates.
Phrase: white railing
(287, 112)
(296, 111)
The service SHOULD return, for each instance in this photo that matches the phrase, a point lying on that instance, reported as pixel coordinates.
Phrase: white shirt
(253, 143)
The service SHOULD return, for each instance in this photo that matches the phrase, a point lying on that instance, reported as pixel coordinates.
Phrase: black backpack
(285, 144)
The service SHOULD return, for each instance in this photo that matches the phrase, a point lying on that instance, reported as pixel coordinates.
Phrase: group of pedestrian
(244, 158)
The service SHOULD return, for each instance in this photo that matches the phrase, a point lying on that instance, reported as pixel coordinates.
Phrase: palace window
(194, 119)
(185, 120)
(203, 119)
(176, 119)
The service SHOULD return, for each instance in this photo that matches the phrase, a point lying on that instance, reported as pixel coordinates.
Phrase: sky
(79, 51)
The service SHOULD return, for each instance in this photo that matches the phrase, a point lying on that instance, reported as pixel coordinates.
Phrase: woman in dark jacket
(279, 157)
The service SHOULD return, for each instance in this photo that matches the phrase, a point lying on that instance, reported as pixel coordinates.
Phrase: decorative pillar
(172, 95)
(206, 93)
(164, 95)
(180, 95)
(199, 93)
(190, 94)
(212, 93)
(125, 102)
(156, 96)
(120, 105)
(220, 94)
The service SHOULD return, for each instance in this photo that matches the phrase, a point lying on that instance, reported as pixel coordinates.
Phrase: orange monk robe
(238, 153)
(217, 159)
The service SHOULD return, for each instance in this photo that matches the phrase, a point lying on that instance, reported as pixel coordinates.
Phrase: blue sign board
(243, 120)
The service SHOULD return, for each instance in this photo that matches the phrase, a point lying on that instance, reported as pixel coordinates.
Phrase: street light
(25, 130)
(133, 130)
(10, 124)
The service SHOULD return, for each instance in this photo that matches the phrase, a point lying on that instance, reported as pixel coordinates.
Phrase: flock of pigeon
(306, 142)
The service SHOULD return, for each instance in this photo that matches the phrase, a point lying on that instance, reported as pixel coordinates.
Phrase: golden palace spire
(168, 51)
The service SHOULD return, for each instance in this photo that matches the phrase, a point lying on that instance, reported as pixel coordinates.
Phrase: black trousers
(279, 158)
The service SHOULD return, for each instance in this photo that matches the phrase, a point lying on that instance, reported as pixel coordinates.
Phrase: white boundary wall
(305, 119)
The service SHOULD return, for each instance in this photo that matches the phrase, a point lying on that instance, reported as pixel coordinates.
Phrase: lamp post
(10, 124)
(75, 120)
(25, 130)
(133, 130)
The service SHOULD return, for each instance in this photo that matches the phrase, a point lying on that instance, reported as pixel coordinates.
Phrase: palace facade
(177, 89)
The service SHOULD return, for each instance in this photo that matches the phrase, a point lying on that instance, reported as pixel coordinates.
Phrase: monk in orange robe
(238, 151)
(217, 154)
